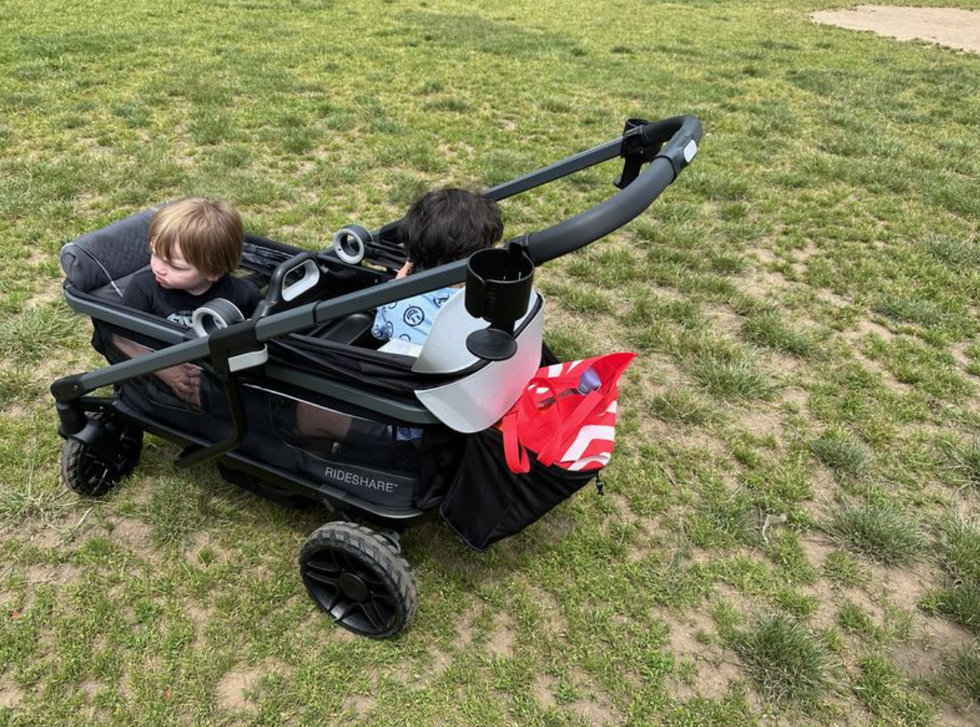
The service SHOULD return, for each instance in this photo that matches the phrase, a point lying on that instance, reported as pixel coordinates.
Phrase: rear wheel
(359, 578)
(89, 473)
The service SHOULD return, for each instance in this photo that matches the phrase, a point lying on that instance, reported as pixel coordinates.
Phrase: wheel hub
(353, 587)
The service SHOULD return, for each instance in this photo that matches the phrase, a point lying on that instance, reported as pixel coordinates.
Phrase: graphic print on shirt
(183, 318)
(414, 316)
(410, 319)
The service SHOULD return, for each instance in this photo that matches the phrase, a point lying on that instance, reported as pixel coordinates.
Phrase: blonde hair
(209, 232)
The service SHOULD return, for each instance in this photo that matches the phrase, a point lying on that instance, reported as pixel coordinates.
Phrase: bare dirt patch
(817, 548)
(906, 586)
(691, 640)
(551, 624)
(132, 533)
(937, 642)
(594, 710)
(235, 688)
(59, 575)
(544, 690)
(358, 704)
(464, 635)
(502, 640)
(10, 695)
(950, 27)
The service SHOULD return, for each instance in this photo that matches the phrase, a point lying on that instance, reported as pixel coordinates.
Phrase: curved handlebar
(679, 136)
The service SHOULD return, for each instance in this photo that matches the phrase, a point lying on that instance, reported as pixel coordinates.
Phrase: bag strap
(571, 422)
(514, 452)
(526, 414)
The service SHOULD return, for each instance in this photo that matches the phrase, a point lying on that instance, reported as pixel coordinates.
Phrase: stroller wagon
(416, 431)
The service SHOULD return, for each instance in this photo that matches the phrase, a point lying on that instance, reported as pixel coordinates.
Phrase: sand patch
(950, 27)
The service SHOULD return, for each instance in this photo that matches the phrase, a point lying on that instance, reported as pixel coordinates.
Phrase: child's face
(178, 274)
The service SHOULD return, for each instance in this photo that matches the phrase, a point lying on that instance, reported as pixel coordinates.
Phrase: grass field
(791, 532)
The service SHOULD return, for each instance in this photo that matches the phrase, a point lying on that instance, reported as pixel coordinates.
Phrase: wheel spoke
(383, 595)
(334, 601)
(348, 608)
(361, 570)
(373, 614)
(323, 568)
(324, 578)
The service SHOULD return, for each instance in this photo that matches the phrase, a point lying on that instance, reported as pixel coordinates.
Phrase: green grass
(882, 689)
(786, 661)
(841, 453)
(844, 570)
(959, 597)
(771, 331)
(879, 532)
(803, 299)
(965, 670)
(682, 406)
(963, 460)
(730, 373)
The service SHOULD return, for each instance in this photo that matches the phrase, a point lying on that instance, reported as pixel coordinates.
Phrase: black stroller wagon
(417, 435)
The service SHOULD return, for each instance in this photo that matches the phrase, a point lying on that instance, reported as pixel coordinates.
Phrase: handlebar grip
(278, 291)
(680, 137)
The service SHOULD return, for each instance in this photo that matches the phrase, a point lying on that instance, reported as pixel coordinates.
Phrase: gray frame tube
(116, 317)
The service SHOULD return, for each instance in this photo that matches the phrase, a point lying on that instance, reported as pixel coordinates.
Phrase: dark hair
(447, 225)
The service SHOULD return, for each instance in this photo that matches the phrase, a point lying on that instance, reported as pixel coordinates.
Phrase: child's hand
(185, 382)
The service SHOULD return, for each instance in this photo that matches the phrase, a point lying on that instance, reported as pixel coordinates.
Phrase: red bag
(562, 425)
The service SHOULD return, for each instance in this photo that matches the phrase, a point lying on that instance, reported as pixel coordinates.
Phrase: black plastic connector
(66, 392)
(225, 346)
(67, 388)
(635, 150)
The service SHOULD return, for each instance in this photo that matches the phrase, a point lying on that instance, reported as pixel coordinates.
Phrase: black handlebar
(678, 136)
(668, 145)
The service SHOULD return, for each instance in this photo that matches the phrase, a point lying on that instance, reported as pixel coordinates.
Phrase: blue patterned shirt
(410, 319)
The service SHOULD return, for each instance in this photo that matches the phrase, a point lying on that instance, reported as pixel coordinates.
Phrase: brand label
(352, 478)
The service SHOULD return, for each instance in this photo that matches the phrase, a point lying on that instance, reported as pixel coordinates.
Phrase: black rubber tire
(85, 472)
(359, 579)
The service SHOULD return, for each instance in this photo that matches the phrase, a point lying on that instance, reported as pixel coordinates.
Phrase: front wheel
(87, 472)
(358, 577)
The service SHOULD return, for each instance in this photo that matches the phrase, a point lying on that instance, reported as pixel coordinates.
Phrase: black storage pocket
(488, 502)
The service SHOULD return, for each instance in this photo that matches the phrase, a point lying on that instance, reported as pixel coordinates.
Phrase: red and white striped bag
(564, 419)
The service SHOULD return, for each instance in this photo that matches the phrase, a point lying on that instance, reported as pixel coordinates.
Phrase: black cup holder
(498, 286)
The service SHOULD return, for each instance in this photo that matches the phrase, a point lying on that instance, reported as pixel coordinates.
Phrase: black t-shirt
(178, 306)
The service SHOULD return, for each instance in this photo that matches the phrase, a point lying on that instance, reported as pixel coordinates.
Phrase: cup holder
(498, 286)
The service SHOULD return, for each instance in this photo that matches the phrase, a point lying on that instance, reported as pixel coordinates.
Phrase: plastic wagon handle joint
(635, 152)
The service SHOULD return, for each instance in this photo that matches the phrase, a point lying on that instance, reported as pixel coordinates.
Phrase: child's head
(448, 225)
(194, 242)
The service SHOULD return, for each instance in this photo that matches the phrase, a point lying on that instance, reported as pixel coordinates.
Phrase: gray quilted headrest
(103, 258)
